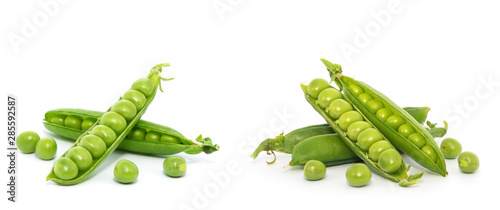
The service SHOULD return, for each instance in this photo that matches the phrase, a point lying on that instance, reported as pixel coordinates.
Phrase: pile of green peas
(95, 143)
(359, 131)
(28, 142)
(395, 121)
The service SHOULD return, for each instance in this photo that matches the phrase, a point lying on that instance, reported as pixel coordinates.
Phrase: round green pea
(125, 108)
(81, 157)
(406, 130)
(26, 141)
(115, 121)
(87, 123)
(384, 113)
(368, 137)
(365, 97)
(430, 152)
(137, 133)
(348, 118)
(451, 148)
(144, 85)
(314, 170)
(326, 97)
(73, 121)
(390, 160)
(170, 139)
(58, 120)
(358, 175)
(375, 105)
(316, 86)
(357, 90)
(152, 136)
(468, 162)
(46, 148)
(94, 145)
(125, 171)
(417, 139)
(174, 166)
(65, 168)
(377, 148)
(356, 128)
(135, 97)
(394, 121)
(105, 133)
(338, 107)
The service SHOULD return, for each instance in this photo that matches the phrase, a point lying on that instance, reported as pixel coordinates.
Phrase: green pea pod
(397, 127)
(178, 143)
(327, 148)
(286, 143)
(401, 175)
(66, 170)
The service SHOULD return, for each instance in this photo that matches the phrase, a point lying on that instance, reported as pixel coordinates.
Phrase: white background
(238, 73)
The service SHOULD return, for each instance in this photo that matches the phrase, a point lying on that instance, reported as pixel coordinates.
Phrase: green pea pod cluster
(401, 175)
(404, 132)
(62, 172)
(167, 141)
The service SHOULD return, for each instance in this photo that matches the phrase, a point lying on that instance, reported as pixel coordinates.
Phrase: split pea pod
(162, 140)
(404, 132)
(109, 130)
(358, 133)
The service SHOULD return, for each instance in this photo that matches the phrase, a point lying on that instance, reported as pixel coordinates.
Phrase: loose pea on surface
(125, 108)
(468, 162)
(451, 148)
(174, 166)
(73, 121)
(26, 141)
(94, 145)
(137, 133)
(107, 134)
(390, 160)
(358, 175)
(87, 123)
(135, 97)
(356, 128)
(143, 85)
(125, 171)
(368, 137)
(316, 86)
(339, 107)
(348, 118)
(65, 168)
(326, 97)
(46, 148)
(115, 121)
(314, 170)
(81, 157)
(375, 105)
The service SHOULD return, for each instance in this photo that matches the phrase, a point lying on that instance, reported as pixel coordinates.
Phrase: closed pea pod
(400, 176)
(393, 123)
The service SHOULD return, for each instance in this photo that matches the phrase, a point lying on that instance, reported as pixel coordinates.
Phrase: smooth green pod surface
(390, 129)
(122, 132)
(401, 176)
(327, 148)
(129, 143)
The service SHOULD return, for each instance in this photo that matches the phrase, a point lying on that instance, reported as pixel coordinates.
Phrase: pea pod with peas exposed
(170, 142)
(106, 133)
(360, 135)
(404, 132)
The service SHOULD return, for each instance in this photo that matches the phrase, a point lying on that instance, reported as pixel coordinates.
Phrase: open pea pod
(399, 174)
(400, 128)
(103, 137)
(162, 140)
